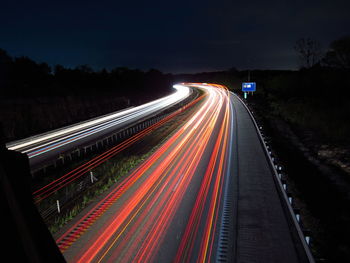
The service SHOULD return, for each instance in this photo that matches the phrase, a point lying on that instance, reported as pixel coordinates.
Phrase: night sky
(172, 36)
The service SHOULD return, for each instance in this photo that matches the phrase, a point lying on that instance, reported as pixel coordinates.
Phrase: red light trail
(170, 202)
(75, 174)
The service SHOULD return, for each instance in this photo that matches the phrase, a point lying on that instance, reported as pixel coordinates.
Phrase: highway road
(50, 145)
(206, 195)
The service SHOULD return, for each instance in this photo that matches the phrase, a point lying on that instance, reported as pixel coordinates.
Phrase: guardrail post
(58, 206)
(284, 184)
(297, 214)
(91, 177)
(307, 236)
(290, 198)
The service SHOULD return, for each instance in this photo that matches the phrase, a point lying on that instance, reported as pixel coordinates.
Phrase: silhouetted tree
(4, 58)
(339, 54)
(58, 69)
(85, 69)
(5, 68)
(34, 98)
(309, 52)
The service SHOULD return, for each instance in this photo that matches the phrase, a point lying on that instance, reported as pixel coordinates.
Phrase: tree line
(35, 98)
(23, 77)
(314, 98)
(336, 56)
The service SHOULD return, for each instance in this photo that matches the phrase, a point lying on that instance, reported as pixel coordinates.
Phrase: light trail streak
(186, 246)
(140, 192)
(103, 205)
(155, 235)
(70, 177)
(41, 144)
(216, 194)
(187, 170)
(194, 157)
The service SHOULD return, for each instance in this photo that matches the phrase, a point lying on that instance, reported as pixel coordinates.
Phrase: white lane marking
(178, 182)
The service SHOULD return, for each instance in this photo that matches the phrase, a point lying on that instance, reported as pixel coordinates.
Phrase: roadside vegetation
(306, 113)
(313, 99)
(108, 174)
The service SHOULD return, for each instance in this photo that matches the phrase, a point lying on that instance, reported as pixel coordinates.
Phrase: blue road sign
(248, 86)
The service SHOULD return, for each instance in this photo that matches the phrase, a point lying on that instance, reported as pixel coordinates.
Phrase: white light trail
(36, 145)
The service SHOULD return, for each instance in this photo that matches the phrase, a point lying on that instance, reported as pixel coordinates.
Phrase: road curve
(46, 146)
(206, 195)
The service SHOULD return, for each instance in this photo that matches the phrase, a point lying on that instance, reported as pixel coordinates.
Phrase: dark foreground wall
(24, 234)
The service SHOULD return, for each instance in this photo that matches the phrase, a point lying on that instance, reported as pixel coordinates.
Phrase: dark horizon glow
(172, 36)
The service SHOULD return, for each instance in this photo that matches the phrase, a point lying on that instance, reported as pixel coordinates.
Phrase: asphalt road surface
(206, 195)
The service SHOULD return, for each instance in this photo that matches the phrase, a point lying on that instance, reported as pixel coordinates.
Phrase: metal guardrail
(281, 187)
(70, 195)
(105, 141)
